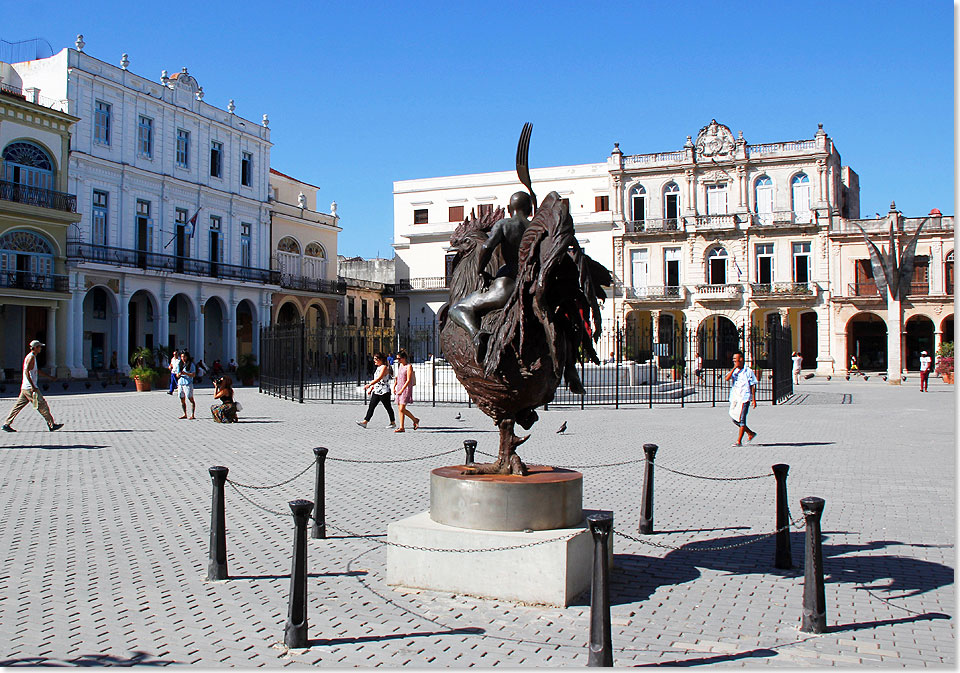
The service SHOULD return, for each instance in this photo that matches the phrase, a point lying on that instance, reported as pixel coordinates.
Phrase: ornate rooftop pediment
(715, 140)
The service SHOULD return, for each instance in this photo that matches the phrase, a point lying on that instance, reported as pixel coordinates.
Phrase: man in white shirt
(30, 392)
(925, 363)
(743, 392)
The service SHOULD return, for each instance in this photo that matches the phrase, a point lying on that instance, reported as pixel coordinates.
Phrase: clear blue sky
(360, 94)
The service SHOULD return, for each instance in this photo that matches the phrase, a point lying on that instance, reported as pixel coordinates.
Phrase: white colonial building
(173, 249)
(717, 237)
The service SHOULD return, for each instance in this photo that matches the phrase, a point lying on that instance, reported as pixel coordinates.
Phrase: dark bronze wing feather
(907, 258)
(880, 273)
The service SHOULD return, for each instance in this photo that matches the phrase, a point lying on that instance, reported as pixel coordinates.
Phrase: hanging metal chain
(399, 460)
(453, 551)
(734, 545)
(643, 460)
(282, 483)
(257, 505)
(700, 476)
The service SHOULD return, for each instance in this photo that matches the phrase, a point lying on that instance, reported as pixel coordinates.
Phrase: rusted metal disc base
(545, 499)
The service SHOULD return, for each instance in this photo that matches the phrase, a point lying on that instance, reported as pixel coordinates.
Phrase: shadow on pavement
(450, 430)
(702, 530)
(635, 577)
(465, 631)
(794, 444)
(886, 622)
(716, 659)
(351, 573)
(51, 447)
(138, 658)
(72, 431)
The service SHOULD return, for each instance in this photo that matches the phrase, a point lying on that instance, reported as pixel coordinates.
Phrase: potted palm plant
(247, 369)
(144, 371)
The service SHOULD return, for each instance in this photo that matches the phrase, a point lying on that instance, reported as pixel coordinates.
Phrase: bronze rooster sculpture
(549, 316)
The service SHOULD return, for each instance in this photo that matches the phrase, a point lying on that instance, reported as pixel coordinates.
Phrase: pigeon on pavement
(563, 428)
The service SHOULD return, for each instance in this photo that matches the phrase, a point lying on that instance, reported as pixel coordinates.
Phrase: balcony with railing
(428, 283)
(778, 291)
(654, 226)
(321, 285)
(716, 221)
(638, 160)
(782, 149)
(654, 294)
(40, 282)
(863, 289)
(79, 253)
(35, 196)
(718, 292)
(918, 289)
(779, 218)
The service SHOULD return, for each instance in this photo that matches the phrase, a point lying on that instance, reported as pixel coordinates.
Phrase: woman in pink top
(403, 388)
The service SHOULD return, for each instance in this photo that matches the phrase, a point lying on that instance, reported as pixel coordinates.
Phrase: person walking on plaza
(926, 362)
(797, 362)
(403, 387)
(30, 393)
(379, 389)
(743, 392)
(174, 361)
(185, 374)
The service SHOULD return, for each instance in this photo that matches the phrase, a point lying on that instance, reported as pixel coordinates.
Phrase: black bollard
(217, 567)
(470, 446)
(295, 630)
(601, 645)
(814, 602)
(319, 529)
(646, 507)
(783, 558)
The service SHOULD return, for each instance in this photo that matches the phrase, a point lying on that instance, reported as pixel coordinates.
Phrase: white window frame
(765, 251)
(216, 146)
(245, 245)
(800, 197)
(718, 253)
(100, 217)
(763, 198)
(183, 148)
(802, 249)
(145, 137)
(640, 270)
(717, 199)
(246, 159)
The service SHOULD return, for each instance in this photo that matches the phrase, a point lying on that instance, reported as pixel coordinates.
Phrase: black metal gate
(671, 366)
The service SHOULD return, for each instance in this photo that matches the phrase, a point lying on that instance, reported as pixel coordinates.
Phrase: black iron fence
(646, 368)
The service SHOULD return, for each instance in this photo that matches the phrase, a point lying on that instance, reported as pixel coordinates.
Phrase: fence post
(470, 446)
(217, 566)
(601, 645)
(814, 618)
(263, 366)
(319, 531)
(303, 354)
(616, 371)
(295, 630)
(783, 558)
(646, 507)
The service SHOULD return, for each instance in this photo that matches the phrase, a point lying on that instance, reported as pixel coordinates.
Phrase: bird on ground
(848, 377)
(829, 377)
(866, 378)
(563, 428)
(458, 416)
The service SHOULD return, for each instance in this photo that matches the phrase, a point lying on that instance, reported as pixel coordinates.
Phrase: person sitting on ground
(226, 410)
(232, 366)
(217, 368)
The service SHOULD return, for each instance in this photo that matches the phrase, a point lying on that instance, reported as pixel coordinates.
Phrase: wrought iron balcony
(323, 285)
(865, 289)
(44, 282)
(654, 226)
(78, 252)
(782, 290)
(34, 196)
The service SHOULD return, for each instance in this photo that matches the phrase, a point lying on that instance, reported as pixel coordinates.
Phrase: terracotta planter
(143, 385)
(948, 377)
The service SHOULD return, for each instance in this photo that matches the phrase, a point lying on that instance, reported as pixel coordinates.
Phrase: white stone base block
(553, 573)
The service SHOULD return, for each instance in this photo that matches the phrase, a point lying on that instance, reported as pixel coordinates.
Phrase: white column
(123, 348)
(196, 329)
(163, 322)
(52, 340)
(77, 333)
(72, 327)
(230, 332)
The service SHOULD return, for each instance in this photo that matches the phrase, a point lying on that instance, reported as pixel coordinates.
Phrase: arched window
(800, 188)
(314, 261)
(948, 273)
(671, 205)
(717, 266)
(763, 199)
(288, 256)
(26, 260)
(26, 164)
(638, 206)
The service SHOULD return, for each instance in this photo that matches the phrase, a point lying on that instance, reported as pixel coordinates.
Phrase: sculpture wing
(880, 272)
(466, 241)
(907, 257)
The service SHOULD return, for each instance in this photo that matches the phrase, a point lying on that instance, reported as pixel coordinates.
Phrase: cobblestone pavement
(106, 534)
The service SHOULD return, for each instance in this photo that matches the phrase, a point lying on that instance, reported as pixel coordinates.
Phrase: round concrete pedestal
(547, 498)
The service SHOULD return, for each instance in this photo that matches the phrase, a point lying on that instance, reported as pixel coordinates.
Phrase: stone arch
(181, 312)
(247, 322)
(143, 310)
(101, 318)
(867, 341)
(717, 340)
(215, 312)
(288, 313)
(919, 336)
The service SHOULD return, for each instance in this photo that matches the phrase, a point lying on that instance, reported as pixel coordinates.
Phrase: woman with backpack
(406, 380)
(379, 389)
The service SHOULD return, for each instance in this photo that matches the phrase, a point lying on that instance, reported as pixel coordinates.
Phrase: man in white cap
(925, 363)
(30, 392)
